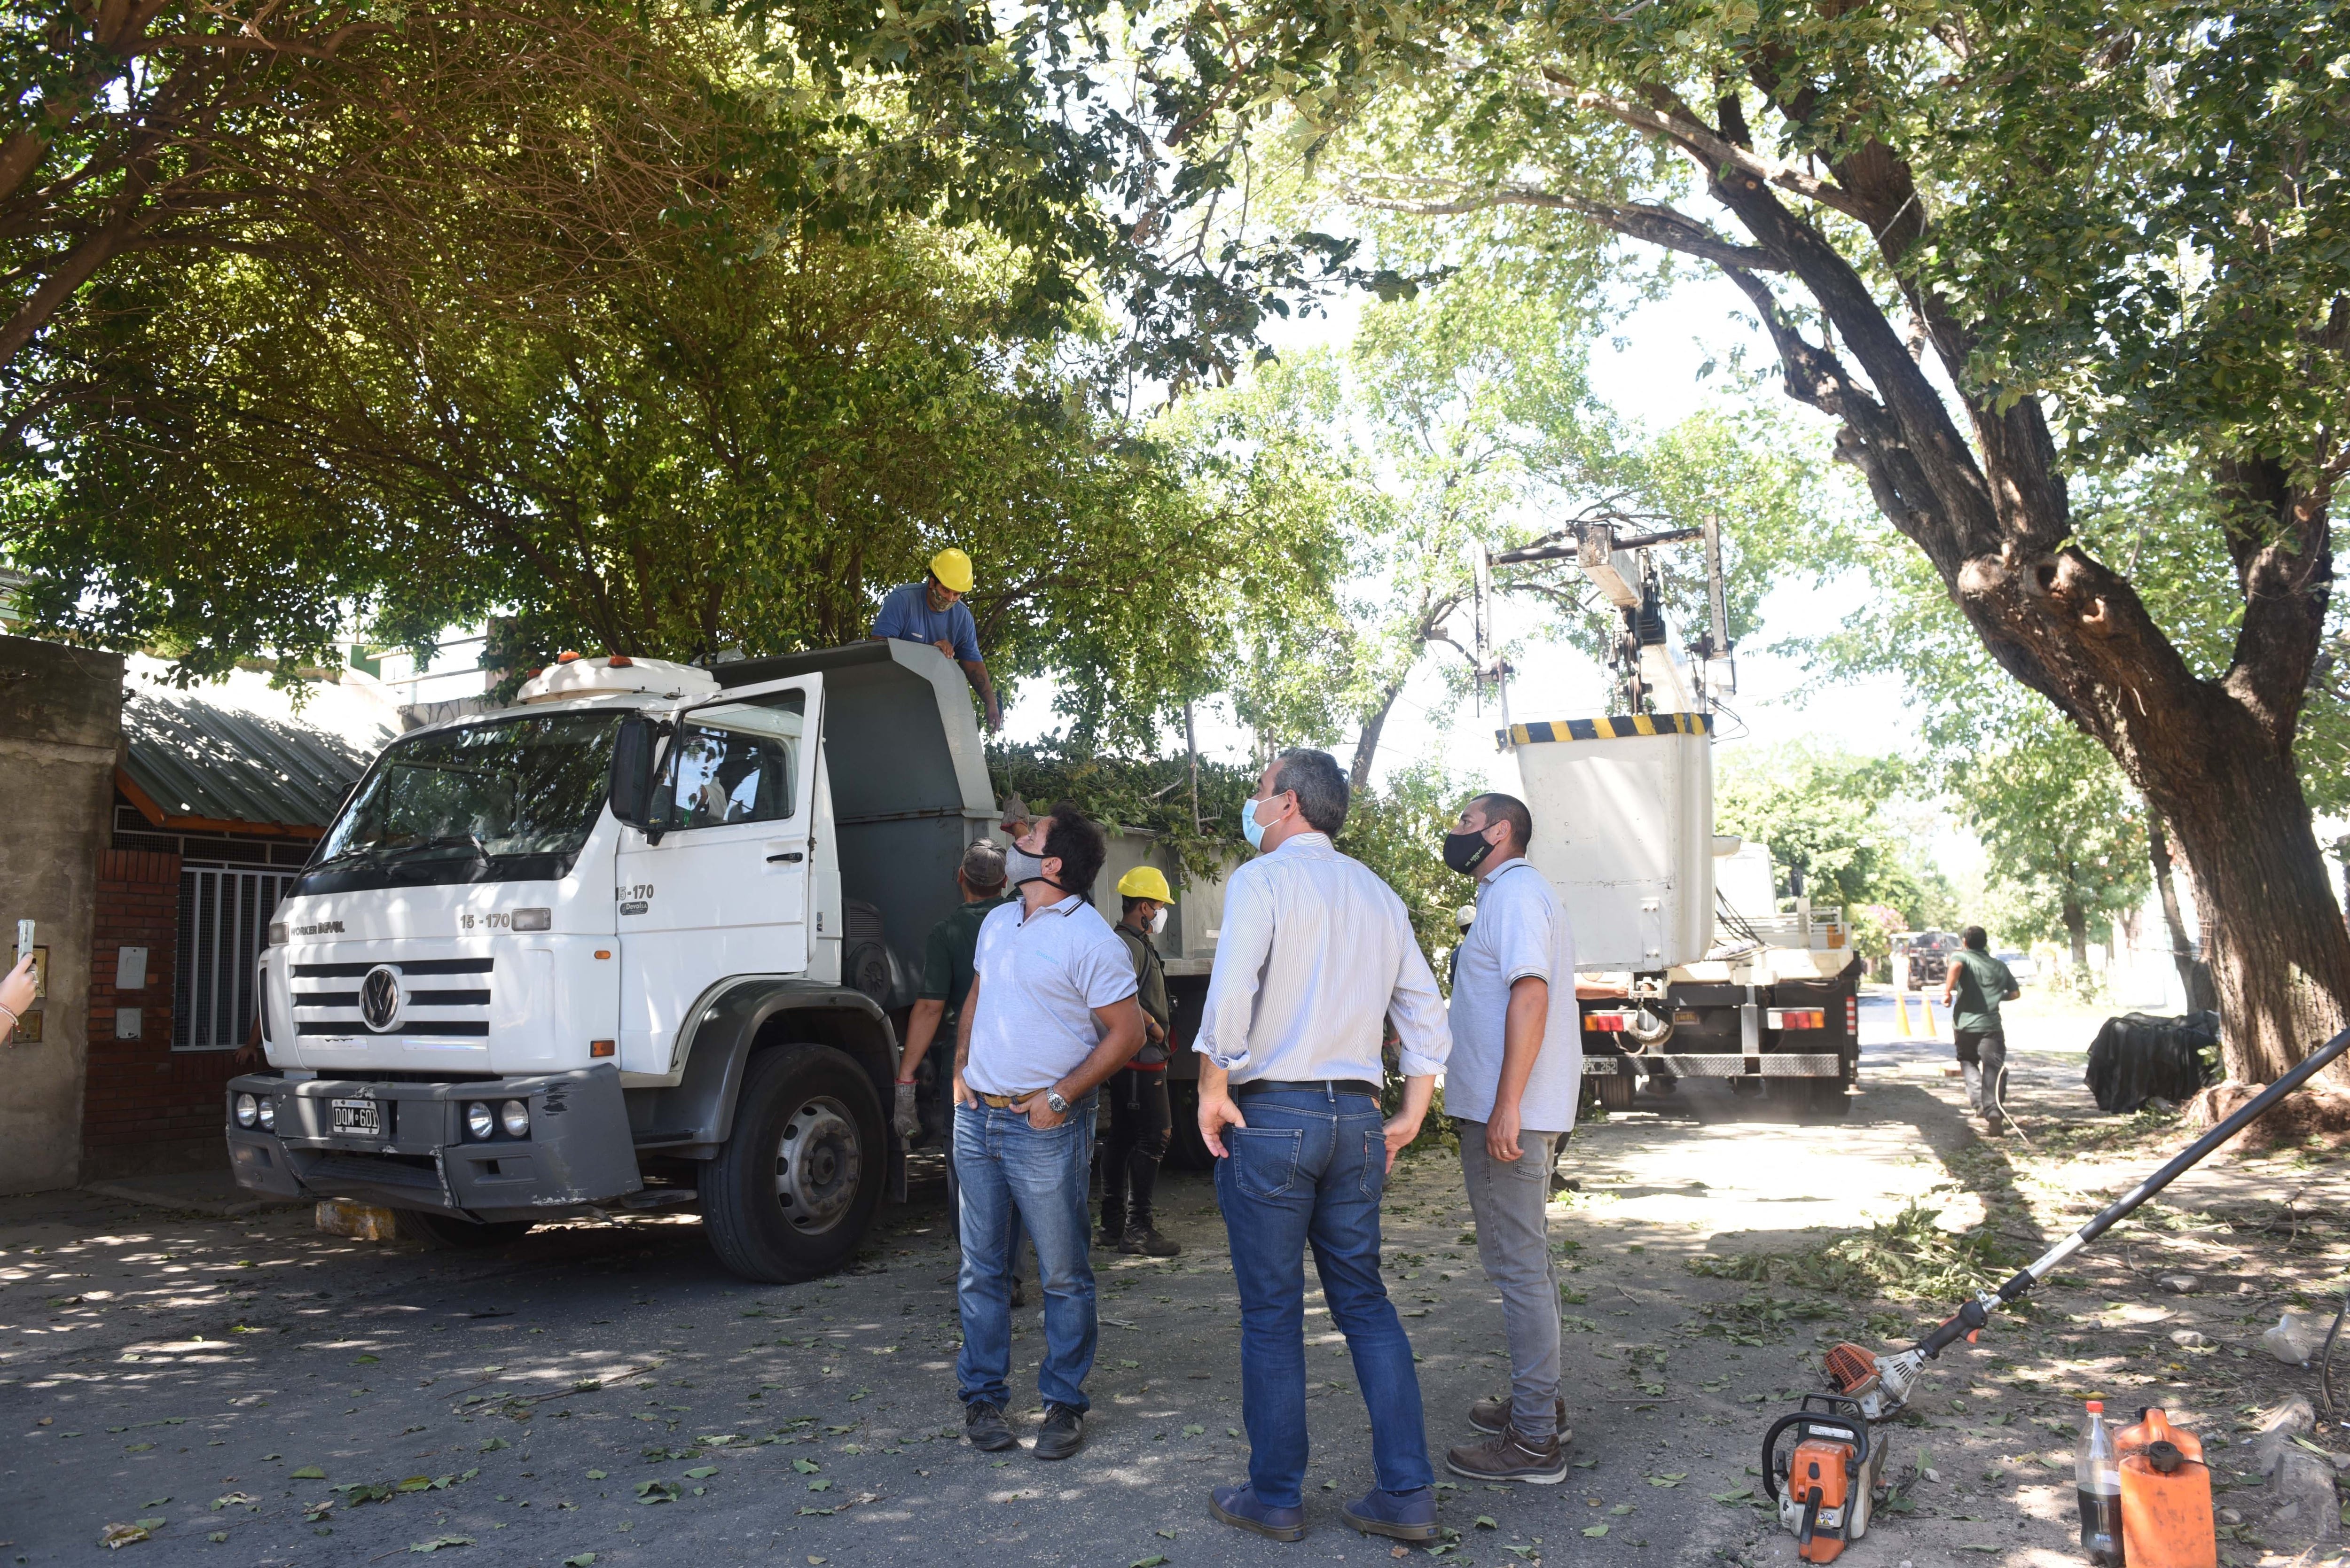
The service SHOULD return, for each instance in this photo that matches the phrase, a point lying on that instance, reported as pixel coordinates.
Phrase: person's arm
(1423, 1032)
(977, 670)
(1122, 1026)
(921, 1028)
(1219, 1111)
(1223, 1043)
(15, 995)
(1521, 933)
(1418, 1089)
(1521, 1043)
(1600, 989)
(891, 621)
(963, 1096)
(1950, 981)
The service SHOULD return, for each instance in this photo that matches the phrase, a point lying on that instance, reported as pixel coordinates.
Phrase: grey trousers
(1513, 1244)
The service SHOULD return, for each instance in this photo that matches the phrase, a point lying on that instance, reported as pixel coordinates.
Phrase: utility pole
(1191, 749)
(1488, 665)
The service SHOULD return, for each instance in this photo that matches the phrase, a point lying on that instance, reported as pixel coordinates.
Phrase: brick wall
(145, 1108)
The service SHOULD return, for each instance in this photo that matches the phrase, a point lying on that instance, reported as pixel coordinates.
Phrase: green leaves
(440, 1542)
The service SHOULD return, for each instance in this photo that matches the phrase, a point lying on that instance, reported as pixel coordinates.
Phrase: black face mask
(1464, 852)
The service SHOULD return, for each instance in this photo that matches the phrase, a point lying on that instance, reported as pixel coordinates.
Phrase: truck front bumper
(407, 1145)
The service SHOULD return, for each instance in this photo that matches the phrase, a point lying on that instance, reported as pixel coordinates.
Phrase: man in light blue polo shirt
(1511, 1084)
(1050, 1015)
(932, 611)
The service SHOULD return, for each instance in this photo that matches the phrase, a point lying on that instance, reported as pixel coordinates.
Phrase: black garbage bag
(2139, 1057)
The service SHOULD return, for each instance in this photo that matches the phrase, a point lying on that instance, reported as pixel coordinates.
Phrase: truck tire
(1828, 1101)
(792, 1193)
(1614, 1091)
(1186, 1150)
(448, 1232)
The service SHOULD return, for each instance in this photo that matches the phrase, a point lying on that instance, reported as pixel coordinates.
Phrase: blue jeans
(1309, 1169)
(1009, 1175)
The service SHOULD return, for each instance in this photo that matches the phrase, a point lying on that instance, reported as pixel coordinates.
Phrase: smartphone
(24, 939)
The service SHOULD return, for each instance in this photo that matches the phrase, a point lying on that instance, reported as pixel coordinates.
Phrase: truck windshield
(504, 801)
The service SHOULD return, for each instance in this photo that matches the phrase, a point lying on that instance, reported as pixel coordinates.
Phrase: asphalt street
(257, 1392)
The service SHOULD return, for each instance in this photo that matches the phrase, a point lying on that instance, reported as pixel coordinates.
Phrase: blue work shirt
(907, 614)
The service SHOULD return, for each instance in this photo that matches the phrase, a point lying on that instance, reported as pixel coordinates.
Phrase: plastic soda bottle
(2098, 1476)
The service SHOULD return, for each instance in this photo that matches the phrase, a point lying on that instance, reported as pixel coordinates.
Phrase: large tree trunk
(2280, 955)
(2076, 933)
(2194, 971)
(1367, 746)
(1978, 483)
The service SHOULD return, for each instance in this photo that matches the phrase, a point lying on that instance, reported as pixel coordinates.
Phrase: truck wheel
(448, 1232)
(1615, 1091)
(1828, 1101)
(790, 1194)
(1186, 1150)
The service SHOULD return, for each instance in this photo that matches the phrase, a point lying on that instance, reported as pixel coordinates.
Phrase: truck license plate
(361, 1116)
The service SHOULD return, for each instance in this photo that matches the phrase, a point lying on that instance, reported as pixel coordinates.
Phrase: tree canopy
(2005, 252)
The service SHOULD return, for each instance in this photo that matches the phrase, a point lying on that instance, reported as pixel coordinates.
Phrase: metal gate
(223, 921)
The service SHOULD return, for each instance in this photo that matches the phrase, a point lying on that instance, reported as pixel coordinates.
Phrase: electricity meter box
(1623, 813)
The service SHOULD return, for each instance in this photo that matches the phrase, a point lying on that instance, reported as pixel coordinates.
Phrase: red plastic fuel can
(2166, 1497)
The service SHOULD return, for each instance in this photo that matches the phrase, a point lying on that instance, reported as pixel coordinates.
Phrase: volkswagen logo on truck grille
(380, 997)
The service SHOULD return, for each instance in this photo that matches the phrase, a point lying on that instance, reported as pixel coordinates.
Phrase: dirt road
(267, 1395)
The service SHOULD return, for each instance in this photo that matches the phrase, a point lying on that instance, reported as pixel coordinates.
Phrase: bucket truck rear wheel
(1185, 1149)
(454, 1234)
(792, 1193)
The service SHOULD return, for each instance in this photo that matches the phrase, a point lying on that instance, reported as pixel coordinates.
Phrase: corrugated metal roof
(218, 764)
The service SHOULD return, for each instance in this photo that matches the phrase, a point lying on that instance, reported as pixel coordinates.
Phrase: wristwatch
(1060, 1106)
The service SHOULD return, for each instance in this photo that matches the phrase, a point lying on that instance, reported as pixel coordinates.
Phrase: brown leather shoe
(1493, 1416)
(1510, 1456)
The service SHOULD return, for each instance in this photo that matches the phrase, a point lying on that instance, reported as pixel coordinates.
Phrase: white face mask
(1158, 923)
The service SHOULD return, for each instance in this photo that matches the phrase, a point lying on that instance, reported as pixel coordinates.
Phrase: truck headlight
(269, 1113)
(246, 1109)
(478, 1120)
(277, 934)
(514, 1116)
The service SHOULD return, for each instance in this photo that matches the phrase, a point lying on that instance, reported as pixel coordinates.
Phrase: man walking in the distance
(1315, 952)
(1972, 990)
(1515, 1071)
(1049, 1015)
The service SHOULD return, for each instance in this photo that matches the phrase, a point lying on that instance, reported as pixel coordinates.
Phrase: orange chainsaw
(1824, 1484)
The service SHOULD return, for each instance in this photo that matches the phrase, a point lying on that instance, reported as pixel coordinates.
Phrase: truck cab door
(719, 882)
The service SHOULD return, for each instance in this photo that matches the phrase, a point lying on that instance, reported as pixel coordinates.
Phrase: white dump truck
(645, 939)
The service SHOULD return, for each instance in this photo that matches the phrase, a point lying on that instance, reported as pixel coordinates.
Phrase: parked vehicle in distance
(1929, 956)
(2023, 966)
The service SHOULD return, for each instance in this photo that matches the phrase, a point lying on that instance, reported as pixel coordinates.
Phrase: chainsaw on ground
(1827, 1481)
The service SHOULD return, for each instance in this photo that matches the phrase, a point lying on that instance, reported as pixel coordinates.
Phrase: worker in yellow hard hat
(932, 611)
(1140, 1120)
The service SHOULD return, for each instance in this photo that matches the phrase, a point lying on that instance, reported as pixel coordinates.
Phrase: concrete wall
(60, 737)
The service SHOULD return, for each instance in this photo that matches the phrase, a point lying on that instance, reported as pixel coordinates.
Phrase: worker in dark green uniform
(1136, 1096)
(1972, 990)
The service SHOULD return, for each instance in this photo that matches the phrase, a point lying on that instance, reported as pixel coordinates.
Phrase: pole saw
(1825, 1486)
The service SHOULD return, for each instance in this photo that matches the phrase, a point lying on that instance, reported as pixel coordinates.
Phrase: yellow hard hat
(952, 569)
(1144, 882)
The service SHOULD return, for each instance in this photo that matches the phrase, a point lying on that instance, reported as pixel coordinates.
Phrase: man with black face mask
(1050, 1014)
(1511, 1082)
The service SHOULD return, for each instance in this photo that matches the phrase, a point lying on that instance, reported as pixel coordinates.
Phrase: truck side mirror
(632, 773)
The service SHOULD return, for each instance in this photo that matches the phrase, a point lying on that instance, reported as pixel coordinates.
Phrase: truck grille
(439, 998)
